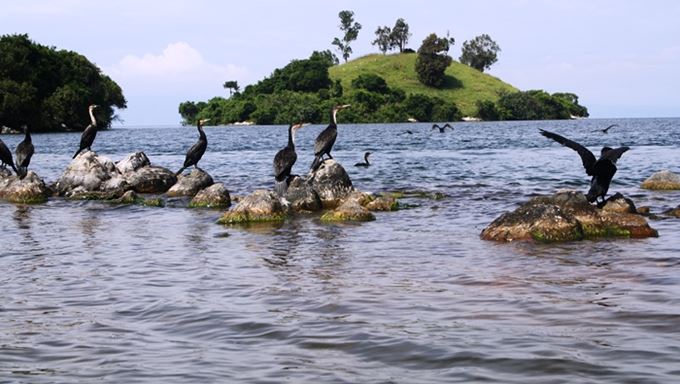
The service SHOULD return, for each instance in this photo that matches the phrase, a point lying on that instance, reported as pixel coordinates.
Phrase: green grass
(464, 85)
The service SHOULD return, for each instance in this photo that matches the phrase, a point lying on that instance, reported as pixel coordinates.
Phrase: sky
(622, 58)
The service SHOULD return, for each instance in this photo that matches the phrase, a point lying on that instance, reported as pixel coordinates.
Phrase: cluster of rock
(567, 216)
(94, 177)
(328, 188)
(663, 180)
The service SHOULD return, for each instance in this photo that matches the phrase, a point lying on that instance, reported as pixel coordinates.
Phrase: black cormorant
(6, 157)
(365, 163)
(606, 130)
(284, 161)
(324, 142)
(442, 129)
(87, 138)
(602, 170)
(197, 150)
(24, 152)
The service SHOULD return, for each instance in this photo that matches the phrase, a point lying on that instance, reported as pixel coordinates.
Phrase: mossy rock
(663, 180)
(350, 210)
(131, 197)
(382, 203)
(242, 217)
(565, 216)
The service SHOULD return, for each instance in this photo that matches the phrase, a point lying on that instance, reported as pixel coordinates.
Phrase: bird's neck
(366, 159)
(92, 119)
(201, 133)
(291, 137)
(334, 120)
(28, 136)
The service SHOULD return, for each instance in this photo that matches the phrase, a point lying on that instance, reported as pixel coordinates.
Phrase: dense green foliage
(433, 60)
(50, 90)
(480, 53)
(380, 88)
(390, 38)
(539, 105)
(351, 32)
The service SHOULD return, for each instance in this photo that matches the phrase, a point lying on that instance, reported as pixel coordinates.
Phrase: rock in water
(565, 216)
(331, 182)
(29, 190)
(351, 209)
(302, 196)
(133, 162)
(664, 180)
(259, 206)
(151, 179)
(619, 203)
(87, 172)
(215, 196)
(189, 185)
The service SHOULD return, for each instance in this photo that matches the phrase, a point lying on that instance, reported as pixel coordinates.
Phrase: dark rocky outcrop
(29, 190)
(302, 196)
(190, 184)
(151, 179)
(663, 180)
(566, 216)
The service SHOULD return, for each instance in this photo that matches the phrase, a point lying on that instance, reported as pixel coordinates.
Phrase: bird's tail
(21, 172)
(281, 187)
(180, 171)
(77, 152)
(316, 163)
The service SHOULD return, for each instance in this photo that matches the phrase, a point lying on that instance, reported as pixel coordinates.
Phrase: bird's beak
(345, 106)
(206, 120)
(300, 125)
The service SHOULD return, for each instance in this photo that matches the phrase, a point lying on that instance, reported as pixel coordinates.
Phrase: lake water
(127, 294)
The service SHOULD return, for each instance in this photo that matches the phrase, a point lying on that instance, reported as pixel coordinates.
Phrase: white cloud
(176, 59)
(158, 82)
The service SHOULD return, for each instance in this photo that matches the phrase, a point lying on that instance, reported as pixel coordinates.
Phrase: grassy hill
(465, 85)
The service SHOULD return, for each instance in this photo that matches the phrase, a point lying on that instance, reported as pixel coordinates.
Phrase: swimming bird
(197, 150)
(24, 151)
(324, 142)
(602, 170)
(284, 161)
(606, 130)
(442, 129)
(87, 138)
(365, 163)
(6, 157)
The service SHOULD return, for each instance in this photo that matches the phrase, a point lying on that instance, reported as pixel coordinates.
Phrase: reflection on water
(136, 294)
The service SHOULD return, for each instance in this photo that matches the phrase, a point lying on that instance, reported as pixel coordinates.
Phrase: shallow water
(92, 292)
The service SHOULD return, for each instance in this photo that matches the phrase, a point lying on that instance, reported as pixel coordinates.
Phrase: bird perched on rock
(324, 142)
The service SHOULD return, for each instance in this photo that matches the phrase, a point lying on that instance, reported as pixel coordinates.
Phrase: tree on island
(351, 30)
(400, 35)
(480, 53)
(49, 89)
(232, 86)
(433, 60)
(383, 39)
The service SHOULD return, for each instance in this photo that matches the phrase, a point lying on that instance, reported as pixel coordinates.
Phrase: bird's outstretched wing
(609, 127)
(587, 157)
(614, 154)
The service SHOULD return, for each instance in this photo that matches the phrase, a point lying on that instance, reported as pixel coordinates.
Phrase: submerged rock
(675, 212)
(189, 185)
(349, 210)
(663, 180)
(214, 196)
(259, 206)
(565, 216)
(29, 190)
